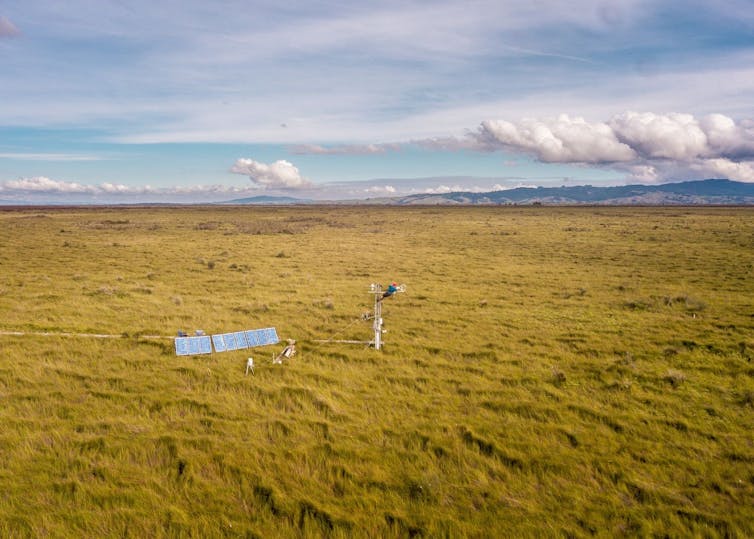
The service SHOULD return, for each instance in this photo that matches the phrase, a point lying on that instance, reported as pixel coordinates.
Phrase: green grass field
(549, 372)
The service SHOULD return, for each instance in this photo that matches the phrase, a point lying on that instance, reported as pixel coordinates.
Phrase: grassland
(549, 372)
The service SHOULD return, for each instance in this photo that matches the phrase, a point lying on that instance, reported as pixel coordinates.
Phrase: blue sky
(179, 101)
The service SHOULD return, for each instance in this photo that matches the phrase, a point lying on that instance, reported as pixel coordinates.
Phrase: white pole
(377, 317)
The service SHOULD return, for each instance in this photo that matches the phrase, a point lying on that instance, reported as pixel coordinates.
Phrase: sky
(193, 101)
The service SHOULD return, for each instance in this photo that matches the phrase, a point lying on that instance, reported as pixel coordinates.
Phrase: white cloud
(647, 146)
(561, 140)
(42, 184)
(728, 139)
(7, 28)
(381, 190)
(278, 175)
(458, 188)
(120, 188)
(499, 187)
(725, 168)
(668, 136)
(444, 189)
(643, 173)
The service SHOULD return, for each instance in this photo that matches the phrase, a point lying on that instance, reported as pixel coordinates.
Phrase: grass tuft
(674, 377)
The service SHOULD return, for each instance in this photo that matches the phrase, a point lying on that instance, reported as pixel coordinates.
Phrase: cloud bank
(44, 188)
(648, 146)
(645, 146)
(42, 184)
(278, 175)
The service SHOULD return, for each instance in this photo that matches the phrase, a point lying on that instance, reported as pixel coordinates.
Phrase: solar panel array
(190, 346)
(226, 342)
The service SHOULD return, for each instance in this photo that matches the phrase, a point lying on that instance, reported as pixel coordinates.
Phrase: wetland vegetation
(549, 371)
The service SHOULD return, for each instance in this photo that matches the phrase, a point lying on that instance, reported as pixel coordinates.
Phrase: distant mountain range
(692, 193)
(698, 192)
(701, 192)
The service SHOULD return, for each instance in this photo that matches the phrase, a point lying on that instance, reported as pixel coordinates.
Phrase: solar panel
(205, 345)
(241, 340)
(189, 346)
(270, 336)
(219, 343)
(264, 338)
(252, 338)
(225, 342)
(230, 341)
(181, 346)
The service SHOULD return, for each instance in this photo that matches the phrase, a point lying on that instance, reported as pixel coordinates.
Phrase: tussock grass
(550, 371)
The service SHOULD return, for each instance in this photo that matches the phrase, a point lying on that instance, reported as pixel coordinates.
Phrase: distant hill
(698, 192)
(262, 199)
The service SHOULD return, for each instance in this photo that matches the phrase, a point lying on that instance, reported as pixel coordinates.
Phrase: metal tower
(376, 289)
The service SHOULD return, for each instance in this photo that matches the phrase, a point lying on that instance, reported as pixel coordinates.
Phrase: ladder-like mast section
(376, 289)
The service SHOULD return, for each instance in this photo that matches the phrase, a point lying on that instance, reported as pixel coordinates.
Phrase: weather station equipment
(379, 296)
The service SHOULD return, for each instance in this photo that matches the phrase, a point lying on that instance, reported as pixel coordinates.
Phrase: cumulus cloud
(7, 28)
(647, 146)
(643, 173)
(278, 175)
(725, 168)
(561, 140)
(728, 139)
(669, 136)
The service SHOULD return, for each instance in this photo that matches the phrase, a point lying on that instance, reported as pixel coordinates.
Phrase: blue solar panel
(263, 337)
(193, 347)
(225, 342)
(189, 346)
(205, 345)
(181, 346)
(219, 344)
(230, 341)
(270, 336)
(252, 338)
(259, 337)
(241, 340)
(201, 345)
